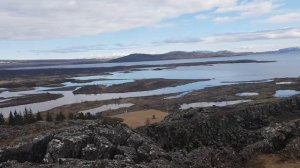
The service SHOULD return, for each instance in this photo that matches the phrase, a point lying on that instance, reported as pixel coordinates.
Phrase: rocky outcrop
(113, 145)
(32, 151)
(247, 131)
(208, 138)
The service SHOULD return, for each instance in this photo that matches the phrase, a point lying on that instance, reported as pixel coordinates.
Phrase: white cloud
(202, 17)
(162, 25)
(252, 36)
(87, 48)
(244, 10)
(252, 8)
(44, 19)
(226, 19)
(183, 40)
(288, 33)
(285, 18)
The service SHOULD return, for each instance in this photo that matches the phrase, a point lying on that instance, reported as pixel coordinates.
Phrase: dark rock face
(81, 146)
(225, 138)
(236, 128)
(292, 149)
(246, 131)
(30, 151)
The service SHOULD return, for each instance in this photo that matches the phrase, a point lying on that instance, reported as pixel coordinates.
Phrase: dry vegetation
(141, 118)
(273, 161)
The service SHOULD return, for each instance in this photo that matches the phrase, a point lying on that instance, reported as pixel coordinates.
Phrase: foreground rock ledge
(213, 137)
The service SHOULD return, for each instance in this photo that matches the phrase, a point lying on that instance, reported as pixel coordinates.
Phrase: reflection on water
(4, 100)
(100, 82)
(178, 96)
(284, 83)
(286, 93)
(70, 98)
(210, 104)
(107, 108)
(247, 94)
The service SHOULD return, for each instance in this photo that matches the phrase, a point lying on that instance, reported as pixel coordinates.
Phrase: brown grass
(141, 118)
(273, 161)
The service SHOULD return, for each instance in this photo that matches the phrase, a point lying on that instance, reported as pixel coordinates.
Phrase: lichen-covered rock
(292, 149)
(32, 151)
(66, 145)
(255, 149)
(208, 158)
(209, 138)
(128, 154)
(277, 134)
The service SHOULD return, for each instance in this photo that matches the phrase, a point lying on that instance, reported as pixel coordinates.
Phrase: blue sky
(55, 29)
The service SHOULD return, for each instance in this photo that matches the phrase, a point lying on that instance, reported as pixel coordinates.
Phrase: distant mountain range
(291, 49)
(190, 55)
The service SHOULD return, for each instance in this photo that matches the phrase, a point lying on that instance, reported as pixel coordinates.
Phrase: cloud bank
(285, 18)
(244, 36)
(46, 19)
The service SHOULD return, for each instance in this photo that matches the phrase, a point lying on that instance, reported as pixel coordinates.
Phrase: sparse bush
(49, 117)
(39, 117)
(111, 121)
(11, 119)
(2, 120)
(18, 118)
(60, 117)
(87, 116)
(80, 116)
(28, 117)
(147, 122)
(71, 116)
(15, 118)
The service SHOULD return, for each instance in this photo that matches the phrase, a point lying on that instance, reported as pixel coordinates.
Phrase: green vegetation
(60, 117)
(27, 117)
(16, 118)
(87, 116)
(49, 117)
(2, 120)
(39, 117)
(71, 116)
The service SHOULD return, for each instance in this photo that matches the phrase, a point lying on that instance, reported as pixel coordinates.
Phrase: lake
(286, 65)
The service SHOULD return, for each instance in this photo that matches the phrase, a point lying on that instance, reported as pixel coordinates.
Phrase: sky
(72, 29)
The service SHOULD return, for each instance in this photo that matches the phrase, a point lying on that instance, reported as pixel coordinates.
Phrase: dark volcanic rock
(207, 157)
(88, 145)
(218, 137)
(292, 149)
(33, 151)
(249, 131)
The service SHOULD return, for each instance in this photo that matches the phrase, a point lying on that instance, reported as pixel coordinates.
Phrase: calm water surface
(286, 93)
(247, 94)
(107, 107)
(286, 65)
(210, 104)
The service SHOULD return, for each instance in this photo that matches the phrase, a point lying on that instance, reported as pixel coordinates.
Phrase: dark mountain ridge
(137, 57)
(175, 55)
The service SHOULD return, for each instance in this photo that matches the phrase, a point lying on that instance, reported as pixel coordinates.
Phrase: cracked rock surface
(207, 138)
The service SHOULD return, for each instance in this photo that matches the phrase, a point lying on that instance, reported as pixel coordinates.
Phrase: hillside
(175, 55)
(137, 57)
(246, 136)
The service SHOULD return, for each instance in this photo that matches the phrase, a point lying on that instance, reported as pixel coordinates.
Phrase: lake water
(286, 65)
(284, 83)
(247, 94)
(286, 93)
(210, 104)
(106, 108)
